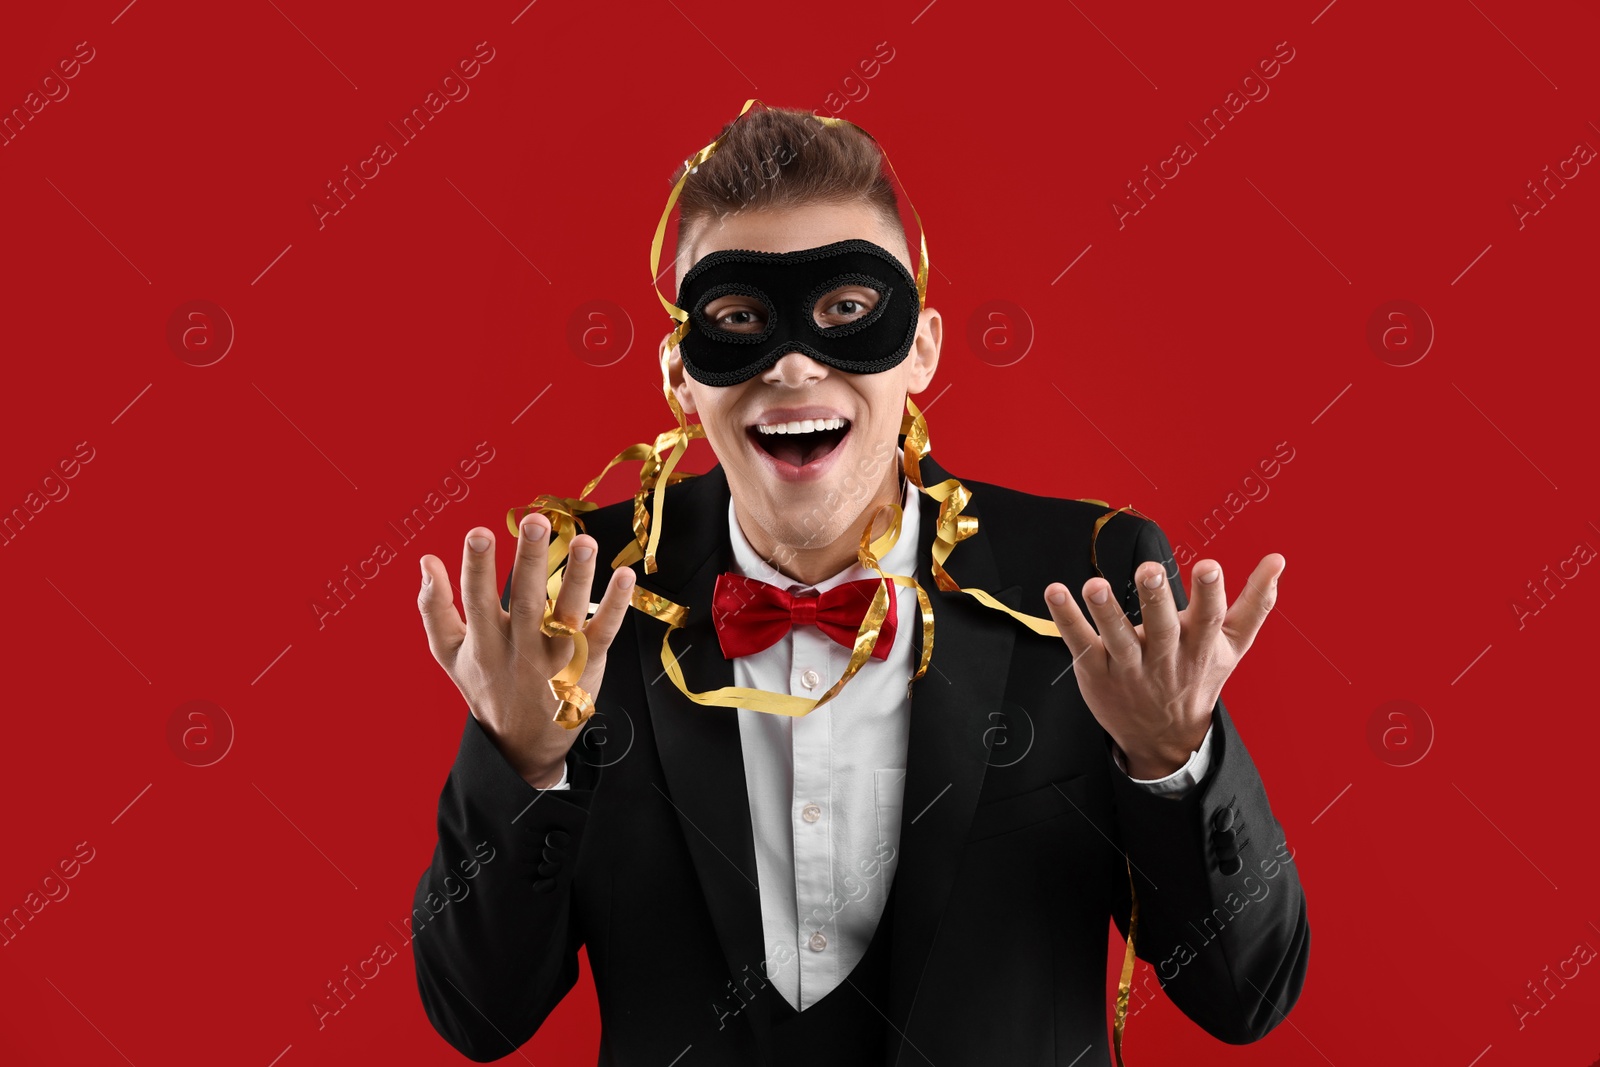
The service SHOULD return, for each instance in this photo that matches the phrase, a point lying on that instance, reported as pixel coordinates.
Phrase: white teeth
(802, 426)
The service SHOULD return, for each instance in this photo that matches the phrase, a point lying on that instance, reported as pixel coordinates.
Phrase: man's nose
(794, 369)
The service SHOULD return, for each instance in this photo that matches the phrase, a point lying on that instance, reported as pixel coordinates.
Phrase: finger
(1075, 629)
(479, 597)
(1250, 610)
(1208, 604)
(1116, 632)
(572, 603)
(1157, 610)
(602, 629)
(440, 619)
(528, 575)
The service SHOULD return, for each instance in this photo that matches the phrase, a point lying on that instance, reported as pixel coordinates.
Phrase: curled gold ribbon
(680, 316)
(563, 514)
(575, 704)
(1119, 1018)
(954, 527)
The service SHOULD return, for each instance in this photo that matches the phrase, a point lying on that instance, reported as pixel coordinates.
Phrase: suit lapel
(948, 751)
(700, 751)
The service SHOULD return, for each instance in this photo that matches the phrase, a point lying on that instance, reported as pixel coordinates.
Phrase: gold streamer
(1119, 1018)
(575, 704)
(954, 527)
(563, 514)
(705, 153)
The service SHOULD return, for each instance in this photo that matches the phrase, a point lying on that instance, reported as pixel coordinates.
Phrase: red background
(374, 353)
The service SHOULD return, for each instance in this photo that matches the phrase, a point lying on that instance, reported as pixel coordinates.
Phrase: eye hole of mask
(742, 314)
(865, 297)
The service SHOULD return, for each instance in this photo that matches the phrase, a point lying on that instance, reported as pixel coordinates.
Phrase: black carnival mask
(787, 287)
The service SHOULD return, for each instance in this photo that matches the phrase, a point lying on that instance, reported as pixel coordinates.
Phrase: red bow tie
(751, 615)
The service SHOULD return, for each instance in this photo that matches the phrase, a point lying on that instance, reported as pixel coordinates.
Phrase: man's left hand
(1153, 686)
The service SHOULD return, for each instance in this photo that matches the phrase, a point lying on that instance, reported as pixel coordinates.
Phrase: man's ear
(672, 360)
(924, 354)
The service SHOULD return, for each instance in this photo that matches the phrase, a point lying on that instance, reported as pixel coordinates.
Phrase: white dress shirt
(825, 789)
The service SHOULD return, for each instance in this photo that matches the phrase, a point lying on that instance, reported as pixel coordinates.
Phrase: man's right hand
(501, 661)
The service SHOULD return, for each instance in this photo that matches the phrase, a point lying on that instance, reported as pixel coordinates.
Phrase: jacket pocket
(889, 786)
(995, 817)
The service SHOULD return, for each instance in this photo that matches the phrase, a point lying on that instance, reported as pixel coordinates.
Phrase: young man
(920, 868)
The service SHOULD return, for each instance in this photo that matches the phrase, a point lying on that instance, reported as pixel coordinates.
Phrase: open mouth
(800, 442)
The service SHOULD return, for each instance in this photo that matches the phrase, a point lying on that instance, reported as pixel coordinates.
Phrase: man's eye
(835, 309)
(739, 320)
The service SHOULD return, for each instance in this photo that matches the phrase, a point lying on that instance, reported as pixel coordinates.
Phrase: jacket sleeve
(494, 936)
(1222, 917)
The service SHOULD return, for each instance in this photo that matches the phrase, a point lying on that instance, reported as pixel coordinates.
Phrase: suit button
(544, 885)
(553, 855)
(556, 839)
(1222, 841)
(1230, 866)
(1223, 819)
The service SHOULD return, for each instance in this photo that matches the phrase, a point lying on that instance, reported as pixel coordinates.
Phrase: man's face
(805, 489)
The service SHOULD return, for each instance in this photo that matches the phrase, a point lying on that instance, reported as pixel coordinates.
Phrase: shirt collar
(900, 559)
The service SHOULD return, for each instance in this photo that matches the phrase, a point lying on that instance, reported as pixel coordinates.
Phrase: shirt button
(811, 813)
(809, 678)
(818, 942)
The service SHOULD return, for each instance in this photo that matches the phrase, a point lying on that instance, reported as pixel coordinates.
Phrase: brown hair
(782, 157)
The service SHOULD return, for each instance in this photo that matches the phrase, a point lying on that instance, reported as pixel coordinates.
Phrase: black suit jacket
(1008, 863)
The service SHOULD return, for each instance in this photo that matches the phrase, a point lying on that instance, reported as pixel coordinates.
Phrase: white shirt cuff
(1179, 781)
(564, 784)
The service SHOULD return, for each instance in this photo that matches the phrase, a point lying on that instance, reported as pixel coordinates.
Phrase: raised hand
(1153, 686)
(502, 661)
